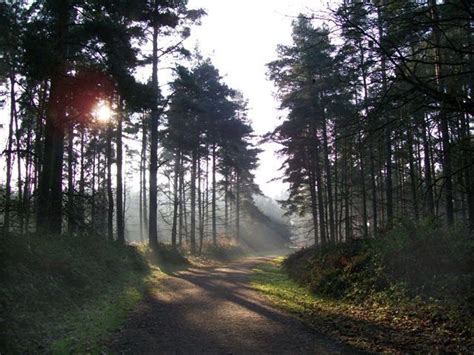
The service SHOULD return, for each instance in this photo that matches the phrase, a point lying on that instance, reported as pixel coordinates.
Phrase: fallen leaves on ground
(415, 326)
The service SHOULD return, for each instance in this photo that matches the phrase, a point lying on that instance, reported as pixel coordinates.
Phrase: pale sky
(240, 37)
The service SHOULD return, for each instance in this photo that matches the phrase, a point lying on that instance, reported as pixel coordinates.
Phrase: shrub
(166, 255)
(424, 260)
(224, 250)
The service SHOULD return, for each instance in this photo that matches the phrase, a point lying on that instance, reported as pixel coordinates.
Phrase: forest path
(214, 310)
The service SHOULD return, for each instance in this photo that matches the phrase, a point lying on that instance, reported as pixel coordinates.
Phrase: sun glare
(103, 113)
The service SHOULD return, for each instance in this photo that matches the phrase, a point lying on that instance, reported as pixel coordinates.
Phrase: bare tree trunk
(467, 161)
(427, 168)
(314, 204)
(181, 203)
(237, 207)
(372, 163)
(119, 187)
(27, 183)
(82, 183)
(319, 190)
(140, 199)
(226, 204)
(443, 120)
(110, 196)
(185, 213)
(70, 180)
(328, 179)
(336, 195)
(144, 183)
(153, 224)
(412, 173)
(20, 211)
(56, 187)
(364, 192)
(206, 200)
(387, 137)
(95, 174)
(347, 214)
(200, 206)
(175, 198)
(214, 168)
(49, 217)
(193, 202)
(6, 220)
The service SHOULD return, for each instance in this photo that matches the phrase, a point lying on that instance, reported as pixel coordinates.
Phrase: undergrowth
(61, 294)
(405, 327)
(411, 290)
(165, 256)
(223, 250)
(409, 261)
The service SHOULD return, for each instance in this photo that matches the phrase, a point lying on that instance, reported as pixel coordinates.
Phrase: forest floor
(214, 309)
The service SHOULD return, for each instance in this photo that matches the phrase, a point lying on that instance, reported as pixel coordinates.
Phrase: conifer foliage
(80, 121)
(378, 121)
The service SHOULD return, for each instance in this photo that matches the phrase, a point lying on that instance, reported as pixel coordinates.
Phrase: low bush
(166, 255)
(411, 260)
(224, 250)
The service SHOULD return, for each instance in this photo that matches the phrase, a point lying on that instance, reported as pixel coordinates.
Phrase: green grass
(271, 280)
(67, 294)
(89, 328)
(409, 326)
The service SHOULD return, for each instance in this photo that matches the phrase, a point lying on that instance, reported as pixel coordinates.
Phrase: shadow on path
(213, 310)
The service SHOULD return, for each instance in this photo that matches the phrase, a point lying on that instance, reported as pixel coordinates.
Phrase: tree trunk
(328, 177)
(226, 204)
(181, 203)
(175, 198)
(193, 202)
(319, 189)
(427, 168)
(49, 217)
(144, 184)
(412, 173)
(70, 181)
(443, 120)
(214, 168)
(237, 207)
(364, 192)
(6, 218)
(387, 136)
(314, 203)
(119, 187)
(200, 205)
(153, 224)
(82, 182)
(28, 173)
(372, 163)
(110, 196)
(467, 156)
(140, 198)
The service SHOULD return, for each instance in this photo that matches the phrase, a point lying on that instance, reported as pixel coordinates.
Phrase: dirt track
(213, 310)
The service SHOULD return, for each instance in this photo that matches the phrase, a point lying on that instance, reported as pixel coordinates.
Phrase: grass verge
(87, 329)
(409, 326)
(66, 294)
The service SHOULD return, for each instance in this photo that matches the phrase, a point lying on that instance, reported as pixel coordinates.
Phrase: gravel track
(214, 310)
